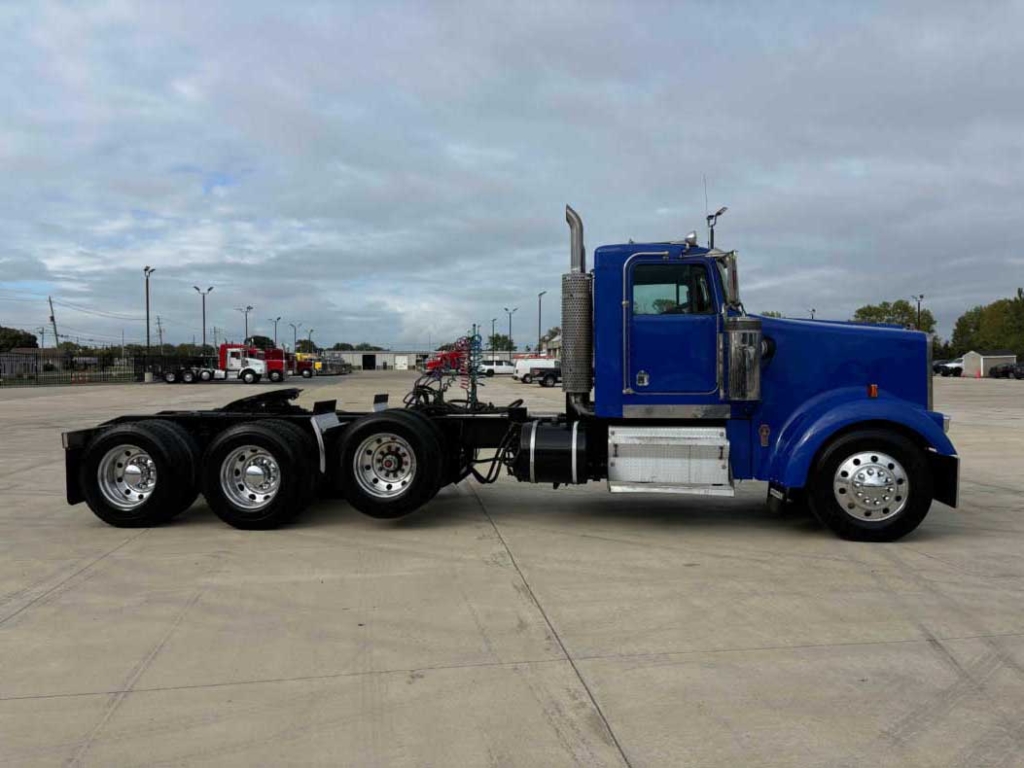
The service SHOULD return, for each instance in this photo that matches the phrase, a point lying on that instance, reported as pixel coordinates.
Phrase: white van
(522, 371)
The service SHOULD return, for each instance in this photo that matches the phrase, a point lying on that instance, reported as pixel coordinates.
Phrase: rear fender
(821, 418)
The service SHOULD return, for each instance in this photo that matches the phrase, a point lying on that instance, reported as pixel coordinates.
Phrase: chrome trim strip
(320, 444)
(575, 434)
(676, 411)
(533, 452)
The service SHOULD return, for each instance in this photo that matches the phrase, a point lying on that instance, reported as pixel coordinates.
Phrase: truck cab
(242, 362)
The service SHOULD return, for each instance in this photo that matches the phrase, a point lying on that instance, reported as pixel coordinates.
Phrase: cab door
(672, 333)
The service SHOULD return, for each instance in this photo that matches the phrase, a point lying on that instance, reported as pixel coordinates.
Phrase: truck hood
(811, 357)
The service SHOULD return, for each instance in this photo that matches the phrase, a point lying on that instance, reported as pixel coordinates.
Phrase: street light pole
(311, 347)
(246, 311)
(295, 336)
(147, 271)
(918, 299)
(203, 294)
(813, 310)
(493, 321)
(540, 296)
(275, 321)
(510, 313)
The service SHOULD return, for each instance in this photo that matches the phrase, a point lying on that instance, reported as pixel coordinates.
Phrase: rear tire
(188, 377)
(255, 476)
(171, 377)
(549, 380)
(894, 493)
(150, 464)
(489, 372)
(390, 464)
(307, 374)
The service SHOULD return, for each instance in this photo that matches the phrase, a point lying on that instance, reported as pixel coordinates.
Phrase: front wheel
(307, 374)
(527, 379)
(249, 377)
(871, 485)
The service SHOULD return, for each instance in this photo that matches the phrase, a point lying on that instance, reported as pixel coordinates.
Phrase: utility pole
(918, 299)
(510, 313)
(275, 321)
(813, 310)
(295, 336)
(245, 311)
(311, 347)
(540, 296)
(203, 294)
(160, 333)
(53, 321)
(147, 271)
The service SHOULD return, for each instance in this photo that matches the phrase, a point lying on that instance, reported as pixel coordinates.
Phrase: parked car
(952, 367)
(497, 367)
(548, 377)
(1003, 371)
(523, 369)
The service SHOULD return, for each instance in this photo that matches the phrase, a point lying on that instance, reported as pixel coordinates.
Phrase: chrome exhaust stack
(577, 322)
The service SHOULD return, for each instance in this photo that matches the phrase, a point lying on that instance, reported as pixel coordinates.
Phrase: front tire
(249, 377)
(307, 374)
(871, 485)
(527, 379)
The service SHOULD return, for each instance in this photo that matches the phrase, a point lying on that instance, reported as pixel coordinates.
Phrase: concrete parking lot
(507, 625)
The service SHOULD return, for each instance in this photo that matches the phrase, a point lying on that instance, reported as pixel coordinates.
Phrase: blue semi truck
(671, 387)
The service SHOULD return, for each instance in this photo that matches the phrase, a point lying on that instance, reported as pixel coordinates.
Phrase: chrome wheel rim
(871, 486)
(126, 476)
(250, 477)
(384, 465)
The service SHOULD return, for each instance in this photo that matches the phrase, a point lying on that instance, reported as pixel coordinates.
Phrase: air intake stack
(577, 321)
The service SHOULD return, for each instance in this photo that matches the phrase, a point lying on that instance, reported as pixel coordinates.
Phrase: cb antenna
(712, 221)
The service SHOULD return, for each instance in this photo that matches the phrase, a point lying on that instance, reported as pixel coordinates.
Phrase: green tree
(771, 313)
(966, 332)
(305, 345)
(500, 343)
(899, 312)
(15, 337)
(343, 346)
(261, 342)
(367, 347)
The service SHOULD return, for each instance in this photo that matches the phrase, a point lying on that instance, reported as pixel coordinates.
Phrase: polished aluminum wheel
(126, 476)
(871, 486)
(250, 477)
(384, 465)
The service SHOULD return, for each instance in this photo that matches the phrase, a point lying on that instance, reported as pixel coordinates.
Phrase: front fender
(807, 430)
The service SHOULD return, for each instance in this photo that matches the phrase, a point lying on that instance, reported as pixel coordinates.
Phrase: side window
(671, 289)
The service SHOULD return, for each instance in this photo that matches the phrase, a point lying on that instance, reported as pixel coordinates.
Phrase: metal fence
(48, 367)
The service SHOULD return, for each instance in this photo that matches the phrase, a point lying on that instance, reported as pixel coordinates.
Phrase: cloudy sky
(394, 172)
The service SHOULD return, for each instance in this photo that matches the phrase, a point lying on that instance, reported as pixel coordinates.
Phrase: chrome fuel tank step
(690, 460)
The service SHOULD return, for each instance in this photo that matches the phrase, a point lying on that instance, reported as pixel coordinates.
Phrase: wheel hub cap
(250, 477)
(871, 486)
(126, 476)
(384, 465)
